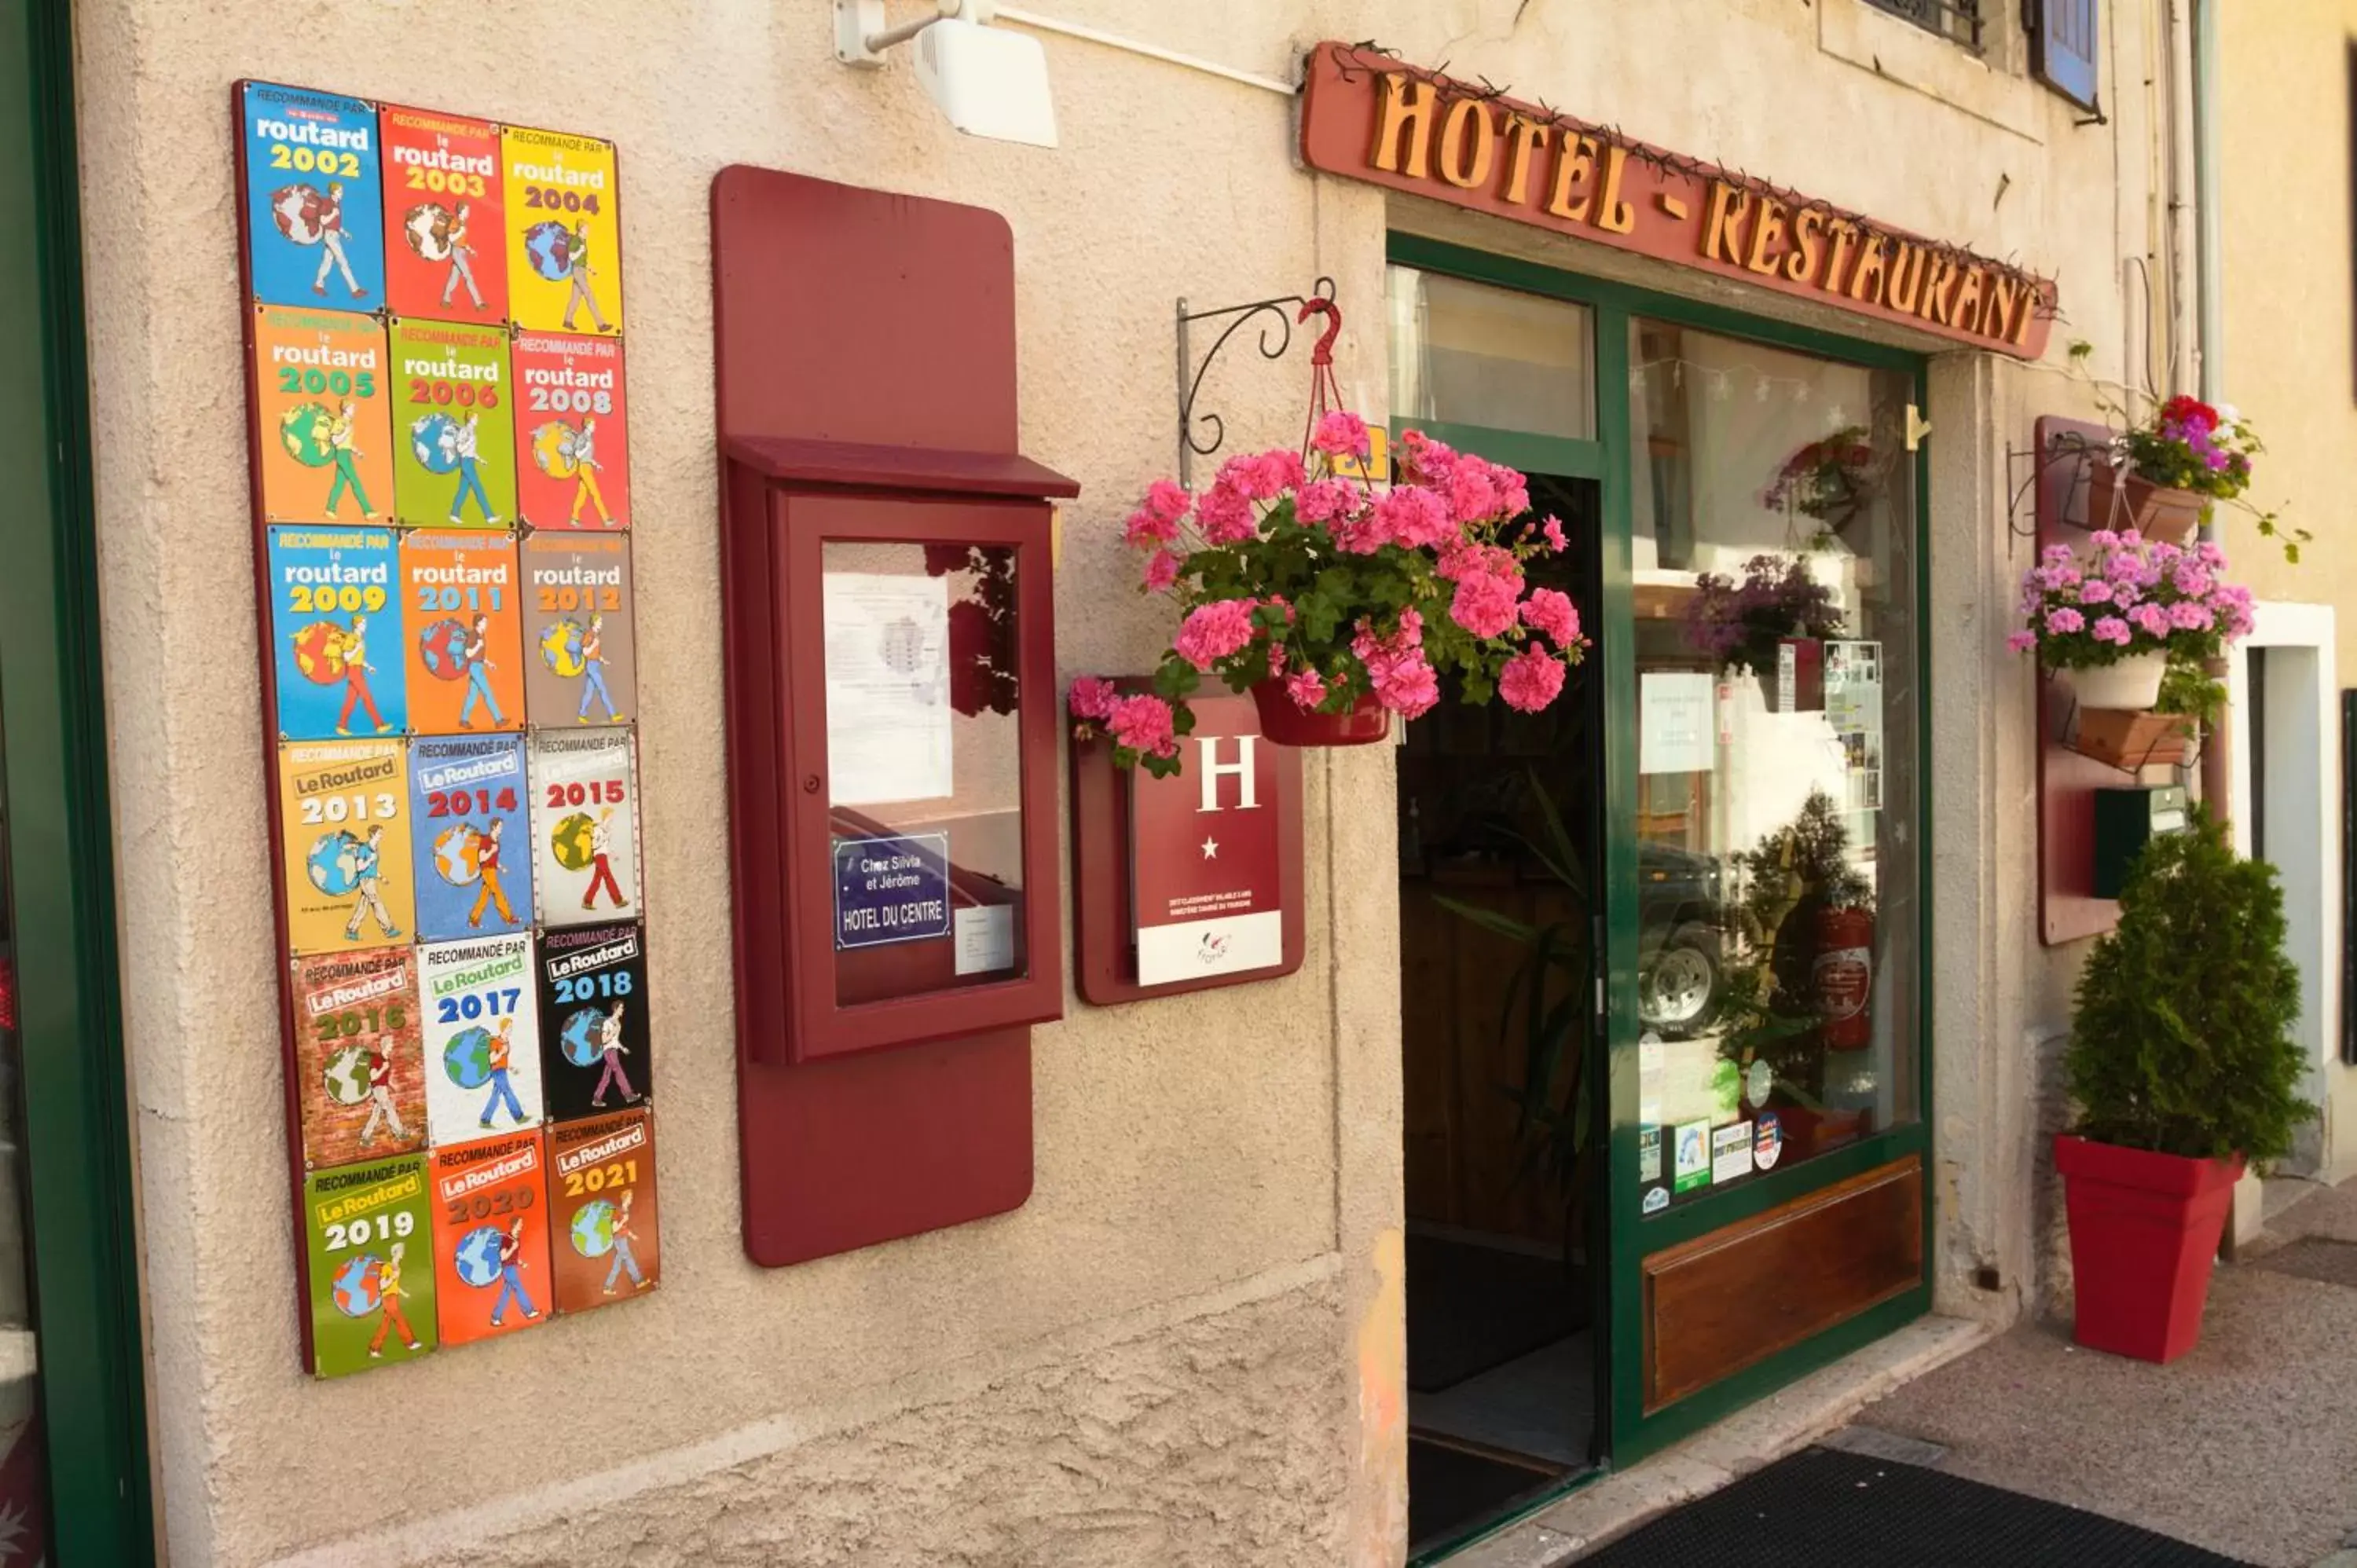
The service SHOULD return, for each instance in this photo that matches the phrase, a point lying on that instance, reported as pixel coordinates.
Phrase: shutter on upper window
(2062, 46)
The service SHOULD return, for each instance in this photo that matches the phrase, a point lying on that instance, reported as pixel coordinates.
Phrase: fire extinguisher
(1842, 977)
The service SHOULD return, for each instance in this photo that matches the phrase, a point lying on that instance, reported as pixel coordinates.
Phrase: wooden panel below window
(1723, 1301)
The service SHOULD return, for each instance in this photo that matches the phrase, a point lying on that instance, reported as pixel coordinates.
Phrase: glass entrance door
(1761, 846)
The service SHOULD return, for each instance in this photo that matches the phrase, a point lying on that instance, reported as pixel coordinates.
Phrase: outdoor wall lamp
(987, 81)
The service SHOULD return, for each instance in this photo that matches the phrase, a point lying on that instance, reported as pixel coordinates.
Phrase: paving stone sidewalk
(2246, 1445)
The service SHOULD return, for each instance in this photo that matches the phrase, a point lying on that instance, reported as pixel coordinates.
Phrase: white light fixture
(986, 81)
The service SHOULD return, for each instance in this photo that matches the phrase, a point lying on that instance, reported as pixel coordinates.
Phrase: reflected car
(1681, 940)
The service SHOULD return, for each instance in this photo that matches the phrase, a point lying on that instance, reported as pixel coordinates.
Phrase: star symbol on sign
(1210, 849)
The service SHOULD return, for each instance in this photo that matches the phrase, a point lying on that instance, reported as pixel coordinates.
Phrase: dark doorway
(1501, 914)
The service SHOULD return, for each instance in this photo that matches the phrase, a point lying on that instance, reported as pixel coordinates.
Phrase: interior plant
(2183, 1070)
(2135, 621)
(1336, 604)
(2164, 473)
(1741, 624)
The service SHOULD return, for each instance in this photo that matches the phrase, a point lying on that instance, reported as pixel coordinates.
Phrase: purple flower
(2095, 591)
(2062, 620)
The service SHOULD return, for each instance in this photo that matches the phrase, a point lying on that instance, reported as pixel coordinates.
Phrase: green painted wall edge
(53, 728)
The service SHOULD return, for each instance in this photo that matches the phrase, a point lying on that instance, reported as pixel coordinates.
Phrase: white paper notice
(985, 939)
(1674, 722)
(887, 687)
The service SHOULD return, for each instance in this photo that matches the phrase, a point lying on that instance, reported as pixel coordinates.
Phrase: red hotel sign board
(1204, 871)
(1369, 116)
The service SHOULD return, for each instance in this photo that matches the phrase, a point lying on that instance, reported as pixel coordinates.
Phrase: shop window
(1467, 354)
(1775, 563)
(1959, 21)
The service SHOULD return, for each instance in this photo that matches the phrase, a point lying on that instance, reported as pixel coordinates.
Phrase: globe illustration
(303, 433)
(552, 449)
(468, 1057)
(443, 647)
(477, 1256)
(355, 1285)
(579, 1035)
(319, 652)
(331, 863)
(348, 1075)
(425, 444)
(427, 230)
(560, 646)
(569, 840)
(457, 854)
(291, 208)
(549, 246)
(593, 1228)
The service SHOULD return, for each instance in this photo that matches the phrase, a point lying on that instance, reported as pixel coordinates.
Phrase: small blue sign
(893, 889)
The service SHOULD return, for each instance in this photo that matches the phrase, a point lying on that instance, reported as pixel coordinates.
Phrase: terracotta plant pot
(2129, 739)
(1364, 723)
(2118, 498)
(2144, 1231)
(1842, 977)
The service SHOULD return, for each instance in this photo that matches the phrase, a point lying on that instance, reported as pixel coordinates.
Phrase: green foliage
(2187, 689)
(2181, 1042)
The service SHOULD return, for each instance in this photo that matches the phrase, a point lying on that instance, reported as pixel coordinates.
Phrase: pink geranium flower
(1224, 513)
(1483, 605)
(1215, 631)
(1550, 611)
(1531, 679)
(1092, 697)
(1307, 688)
(1144, 723)
(1161, 570)
(1342, 435)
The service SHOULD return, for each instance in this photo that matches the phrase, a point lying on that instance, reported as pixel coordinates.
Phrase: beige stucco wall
(2289, 363)
(1185, 1349)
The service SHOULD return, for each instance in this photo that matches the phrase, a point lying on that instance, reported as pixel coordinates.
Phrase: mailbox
(2125, 820)
(892, 713)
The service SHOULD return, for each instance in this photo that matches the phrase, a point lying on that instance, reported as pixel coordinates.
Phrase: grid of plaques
(443, 511)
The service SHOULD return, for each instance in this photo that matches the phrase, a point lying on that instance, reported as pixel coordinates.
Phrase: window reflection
(1774, 570)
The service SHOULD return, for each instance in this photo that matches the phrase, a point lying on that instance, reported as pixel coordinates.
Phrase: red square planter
(2144, 1232)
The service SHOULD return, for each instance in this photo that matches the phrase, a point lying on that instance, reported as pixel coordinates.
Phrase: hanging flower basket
(1772, 622)
(2130, 630)
(1335, 607)
(2118, 498)
(1284, 722)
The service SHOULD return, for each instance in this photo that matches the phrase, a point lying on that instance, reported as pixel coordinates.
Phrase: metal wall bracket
(1275, 338)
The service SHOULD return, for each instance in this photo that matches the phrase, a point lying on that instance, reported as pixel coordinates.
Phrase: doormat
(2320, 1258)
(1472, 1308)
(1450, 1488)
(1821, 1509)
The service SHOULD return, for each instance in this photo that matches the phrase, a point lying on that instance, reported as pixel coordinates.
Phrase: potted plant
(2131, 627)
(1337, 606)
(1776, 612)
(2161, 476)
(1814, 912)
(2183, 1068)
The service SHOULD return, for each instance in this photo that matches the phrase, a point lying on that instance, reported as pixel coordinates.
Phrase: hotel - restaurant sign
(1367, 116)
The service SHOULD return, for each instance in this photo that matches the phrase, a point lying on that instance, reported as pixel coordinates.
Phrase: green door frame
(1631, 1432)
(59, 831)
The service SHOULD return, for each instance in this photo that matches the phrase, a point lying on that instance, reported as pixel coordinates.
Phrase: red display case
(892, 713)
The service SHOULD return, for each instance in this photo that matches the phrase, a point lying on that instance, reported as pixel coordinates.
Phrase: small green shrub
(2181, 1042)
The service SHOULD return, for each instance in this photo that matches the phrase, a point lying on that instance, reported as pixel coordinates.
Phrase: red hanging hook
(1325, 394)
